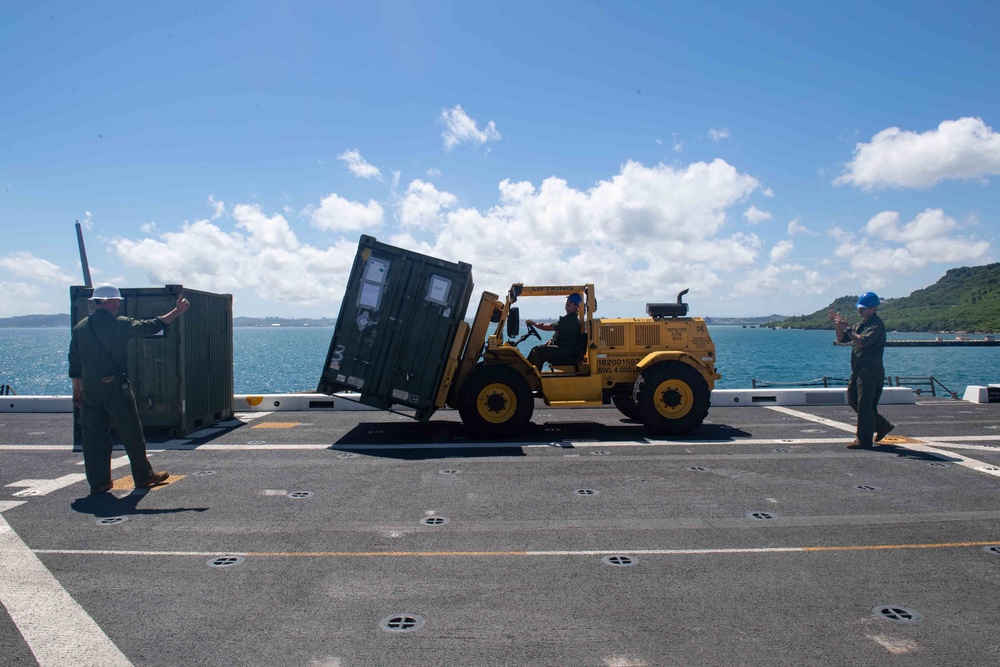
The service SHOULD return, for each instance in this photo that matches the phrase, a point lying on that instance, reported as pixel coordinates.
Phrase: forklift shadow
(451, 439)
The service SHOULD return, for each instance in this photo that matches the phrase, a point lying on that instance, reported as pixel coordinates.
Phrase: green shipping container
(182, 378)
(397, 323)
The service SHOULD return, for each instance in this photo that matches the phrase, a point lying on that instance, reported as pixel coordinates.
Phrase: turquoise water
(286, 359)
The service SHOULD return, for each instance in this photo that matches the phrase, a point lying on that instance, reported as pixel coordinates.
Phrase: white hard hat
(103, 292)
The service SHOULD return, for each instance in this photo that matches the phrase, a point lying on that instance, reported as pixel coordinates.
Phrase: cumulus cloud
(756, 216)
(718, 134)
(422, 205)
(337, 214)
(460, 129)
(781, 250)
(262, 254)
(789, 280)
(644, 233)
(24, 264)
(358, 165)
(958, 149)
(20, 298)
(930, 238)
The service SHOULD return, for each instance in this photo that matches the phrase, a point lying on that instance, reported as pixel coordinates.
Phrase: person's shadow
(104, 505)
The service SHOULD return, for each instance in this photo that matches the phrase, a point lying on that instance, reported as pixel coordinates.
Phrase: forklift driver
(563, 348)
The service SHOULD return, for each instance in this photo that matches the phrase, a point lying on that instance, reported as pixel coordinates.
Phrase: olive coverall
(107, 398)
(562, 348)
(867, 378)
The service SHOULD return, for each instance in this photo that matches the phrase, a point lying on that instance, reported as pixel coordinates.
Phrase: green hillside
(965, 299)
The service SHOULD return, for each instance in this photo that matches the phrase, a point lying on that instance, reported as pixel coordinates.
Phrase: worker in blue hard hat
(564, 347)
(864, 388)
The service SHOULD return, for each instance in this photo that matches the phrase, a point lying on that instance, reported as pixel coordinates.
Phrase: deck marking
(126, 483)
(55, 627)
(923, 445)
(497, 554)
(42, 487)
(276, 425)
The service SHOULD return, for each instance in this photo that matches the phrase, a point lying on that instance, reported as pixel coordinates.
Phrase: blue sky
(768, 156)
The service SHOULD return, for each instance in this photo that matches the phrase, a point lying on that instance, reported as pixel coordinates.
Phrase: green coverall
(105, 402)
(867, 378)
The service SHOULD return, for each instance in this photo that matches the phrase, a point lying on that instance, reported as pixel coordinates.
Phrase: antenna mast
(83, 256)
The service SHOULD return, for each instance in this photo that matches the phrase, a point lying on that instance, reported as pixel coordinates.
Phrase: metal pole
(83, 256)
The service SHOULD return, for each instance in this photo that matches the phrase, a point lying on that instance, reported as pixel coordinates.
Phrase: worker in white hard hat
(101, 389)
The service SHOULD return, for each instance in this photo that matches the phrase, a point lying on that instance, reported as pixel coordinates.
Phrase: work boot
(881, 434)
(858, 445)
(98, 490)
(155, 479)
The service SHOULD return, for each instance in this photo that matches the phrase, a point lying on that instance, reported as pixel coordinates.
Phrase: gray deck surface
(516, 576)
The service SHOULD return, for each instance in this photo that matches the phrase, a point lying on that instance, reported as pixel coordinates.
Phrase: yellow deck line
(495, 554)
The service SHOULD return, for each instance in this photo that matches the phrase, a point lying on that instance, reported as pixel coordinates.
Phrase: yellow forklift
(401, 340)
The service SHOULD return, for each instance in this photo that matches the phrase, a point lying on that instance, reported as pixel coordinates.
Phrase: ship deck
(366, 538)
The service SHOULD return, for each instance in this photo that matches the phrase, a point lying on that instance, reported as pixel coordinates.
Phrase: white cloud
(958, 149)
(358, 165)
(434, 172)
(337, 214)
(460, 129)
(644, 233)
(795, 226)
(641, 234)
(756, 216)
(679, 146)
(718, 134)
(20, 299)
(262, 254)
(781, 250)
(422, 205)
(930, 238)
(148, 228)
(24, 264)
(788, 280)
(767, 192)
(220, 207)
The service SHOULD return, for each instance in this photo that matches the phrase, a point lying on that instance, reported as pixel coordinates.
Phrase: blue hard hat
(575, 298)
(868, 300)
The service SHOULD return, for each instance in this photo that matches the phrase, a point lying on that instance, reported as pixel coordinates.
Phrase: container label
(370, 294)
(437, 290)
(376, 271)
(400, 394)
(355, 382)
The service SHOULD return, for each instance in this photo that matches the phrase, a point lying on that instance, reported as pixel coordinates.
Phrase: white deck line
(56, 628)
(925, 445)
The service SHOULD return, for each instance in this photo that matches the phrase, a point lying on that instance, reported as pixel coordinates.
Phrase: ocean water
(288, 359)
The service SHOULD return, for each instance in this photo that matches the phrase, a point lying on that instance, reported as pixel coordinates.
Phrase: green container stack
(182, 378)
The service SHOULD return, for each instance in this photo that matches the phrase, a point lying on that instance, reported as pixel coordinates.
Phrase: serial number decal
(618, 365)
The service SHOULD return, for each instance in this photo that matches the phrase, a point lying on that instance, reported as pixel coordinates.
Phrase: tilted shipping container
(398, 323)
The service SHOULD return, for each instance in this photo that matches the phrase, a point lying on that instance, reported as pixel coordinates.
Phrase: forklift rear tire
(495, 401)
(625, 404)
(672, 397)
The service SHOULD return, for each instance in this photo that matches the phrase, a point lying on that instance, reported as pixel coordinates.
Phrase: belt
(110, 378)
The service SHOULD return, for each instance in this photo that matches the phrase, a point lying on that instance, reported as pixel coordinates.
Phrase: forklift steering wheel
(532, 331)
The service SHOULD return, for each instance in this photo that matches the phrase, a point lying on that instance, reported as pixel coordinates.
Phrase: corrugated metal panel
(647, 334)
(611, 335)
(396, 326)
(182, 378)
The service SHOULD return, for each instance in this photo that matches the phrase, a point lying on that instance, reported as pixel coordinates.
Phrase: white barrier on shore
(348, 401)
